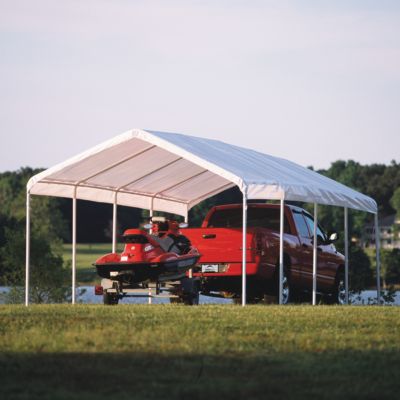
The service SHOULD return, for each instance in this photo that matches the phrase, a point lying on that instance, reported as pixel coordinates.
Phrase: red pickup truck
(219, 240)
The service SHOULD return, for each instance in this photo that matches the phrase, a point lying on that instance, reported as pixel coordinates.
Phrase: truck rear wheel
(286, 286)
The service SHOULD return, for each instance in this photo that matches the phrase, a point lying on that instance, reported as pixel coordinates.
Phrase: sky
(310, 81)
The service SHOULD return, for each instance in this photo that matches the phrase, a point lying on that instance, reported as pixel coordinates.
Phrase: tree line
(51, 224)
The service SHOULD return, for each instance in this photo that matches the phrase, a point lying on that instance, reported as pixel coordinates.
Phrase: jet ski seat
(175, 244)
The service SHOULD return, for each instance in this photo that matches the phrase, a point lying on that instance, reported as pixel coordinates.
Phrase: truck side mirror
(333, 237)
(320, 240)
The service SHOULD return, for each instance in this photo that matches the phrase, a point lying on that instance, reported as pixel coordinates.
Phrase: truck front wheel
(339, 292)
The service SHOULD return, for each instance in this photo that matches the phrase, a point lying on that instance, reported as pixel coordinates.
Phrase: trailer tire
(190, 291)
(110, 299)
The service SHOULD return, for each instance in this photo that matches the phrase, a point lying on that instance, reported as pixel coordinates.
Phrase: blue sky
(311, 81)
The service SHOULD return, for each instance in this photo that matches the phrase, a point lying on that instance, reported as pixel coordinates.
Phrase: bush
(360, 273)
(390, 266)
(48, 275)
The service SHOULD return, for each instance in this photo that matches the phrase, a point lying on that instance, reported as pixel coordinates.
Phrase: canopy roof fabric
(173, 172)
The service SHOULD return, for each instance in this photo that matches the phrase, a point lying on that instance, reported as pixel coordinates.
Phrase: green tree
(360, 272)
(390, 266)
(395, 201)
(48, 275)
(46, 217)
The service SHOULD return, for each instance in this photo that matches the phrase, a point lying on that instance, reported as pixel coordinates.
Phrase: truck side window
(301, 224)
(310, 222)
(261, 217)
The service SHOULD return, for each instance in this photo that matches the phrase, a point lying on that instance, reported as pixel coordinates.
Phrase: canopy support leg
(244, 245)
(114, 226)
(73, 248)
(315, 256)
(378, 260)
(282, 212)
(27, 246)
(186, 220)
(346, 255)
(151, 214)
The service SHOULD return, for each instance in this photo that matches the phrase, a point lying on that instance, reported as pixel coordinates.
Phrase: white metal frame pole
(186, 220)
(378, 260)
(244, 245)
(27, 246)
(315, 256)
(281, 229)
(114, 226)
(151, 211)
(151, 214)
(74, 247)
(346, 255)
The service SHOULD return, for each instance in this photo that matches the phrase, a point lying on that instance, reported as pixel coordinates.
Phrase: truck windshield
(256, 217)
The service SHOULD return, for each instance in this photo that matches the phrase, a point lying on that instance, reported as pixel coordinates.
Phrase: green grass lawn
(86, 255)
(204, 352)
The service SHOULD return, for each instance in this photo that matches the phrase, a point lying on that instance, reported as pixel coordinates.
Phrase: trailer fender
(106, 284)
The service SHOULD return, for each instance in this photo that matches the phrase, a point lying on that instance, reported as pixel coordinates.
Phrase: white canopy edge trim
(278, 192)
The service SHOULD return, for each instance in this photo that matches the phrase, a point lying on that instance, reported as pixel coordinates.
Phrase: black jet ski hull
(141, 271)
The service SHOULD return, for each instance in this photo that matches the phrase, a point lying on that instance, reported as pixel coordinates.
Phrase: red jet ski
(163, 255)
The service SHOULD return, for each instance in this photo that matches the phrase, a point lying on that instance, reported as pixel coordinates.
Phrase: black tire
(191, 299)
(338, 295)
(190, 291)
(176, 300)
(287, 289)
(110, 299)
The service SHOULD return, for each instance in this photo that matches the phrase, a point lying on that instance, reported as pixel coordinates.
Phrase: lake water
(86, 296)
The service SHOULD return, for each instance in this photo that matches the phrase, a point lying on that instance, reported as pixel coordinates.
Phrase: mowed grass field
(86, 255)
(203, 352)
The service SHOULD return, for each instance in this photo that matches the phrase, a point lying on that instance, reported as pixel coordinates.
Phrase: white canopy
(173, 172)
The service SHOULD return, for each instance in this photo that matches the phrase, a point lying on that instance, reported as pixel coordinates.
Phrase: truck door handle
(209, 236)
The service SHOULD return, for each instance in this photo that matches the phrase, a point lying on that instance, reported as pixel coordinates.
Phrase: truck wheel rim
(285, 290)
(341, 292)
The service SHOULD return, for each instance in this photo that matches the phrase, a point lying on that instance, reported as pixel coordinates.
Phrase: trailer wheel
(188, 292)
(191, 299)
(110, 298)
